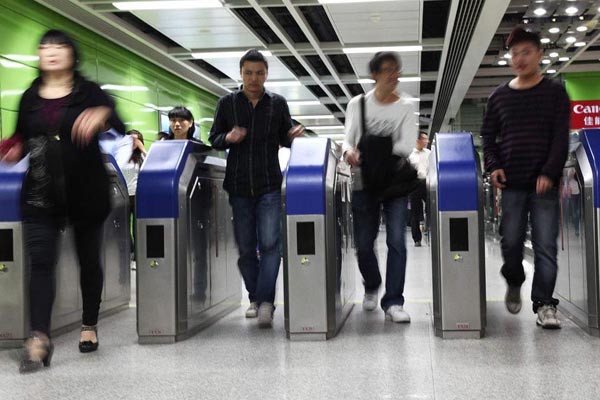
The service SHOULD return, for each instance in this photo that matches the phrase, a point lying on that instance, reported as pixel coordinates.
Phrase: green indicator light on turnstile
(3, 268)
(154, 264)
(304, 261)
(457, 258)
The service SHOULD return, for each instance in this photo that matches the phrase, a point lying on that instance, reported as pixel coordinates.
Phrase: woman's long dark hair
(136, 156)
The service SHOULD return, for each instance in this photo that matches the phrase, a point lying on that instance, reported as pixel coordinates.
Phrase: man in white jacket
(386, 114)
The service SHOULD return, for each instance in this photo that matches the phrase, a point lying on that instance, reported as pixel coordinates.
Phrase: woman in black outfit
(59, 118)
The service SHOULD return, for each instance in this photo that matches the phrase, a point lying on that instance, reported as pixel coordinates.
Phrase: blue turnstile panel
(457, 172)
(11, 182)
(590, 140)
(160, 174)
(305, 179)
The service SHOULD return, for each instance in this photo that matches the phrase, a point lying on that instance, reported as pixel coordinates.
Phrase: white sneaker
(265, 315)
(370, 301)
(252, 311)
(547, 317)
(397, 314)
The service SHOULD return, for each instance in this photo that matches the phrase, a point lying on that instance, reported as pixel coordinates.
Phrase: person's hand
(137, 144)
(90, 122)
(296, 131)
(236, 135)
(13, 154)
(543, 184)
(353, 157)
(498, 179)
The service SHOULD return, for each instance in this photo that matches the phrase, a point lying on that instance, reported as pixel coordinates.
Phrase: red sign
(585, 114)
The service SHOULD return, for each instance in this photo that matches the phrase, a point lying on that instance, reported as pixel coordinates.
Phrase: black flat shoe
(28, 364)
(89, 346)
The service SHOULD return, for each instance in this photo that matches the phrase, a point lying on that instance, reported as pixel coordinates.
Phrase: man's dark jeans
(366, 209)
(543, 211)
(257, 225)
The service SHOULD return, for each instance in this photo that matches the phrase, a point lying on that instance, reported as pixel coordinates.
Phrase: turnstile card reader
(457, 247)
(318, 249)
(187, 275)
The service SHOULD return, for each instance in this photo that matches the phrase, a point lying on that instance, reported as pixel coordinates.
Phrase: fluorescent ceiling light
(226, 54)
(313, 117)
(539, 11)
(546, 61)
(551, 71)
(579, 44)
(554, 30)
(348, 1)
(410, 79)
(571, 10)
(502, 62)
(570, 39)
(324, 128)
(121, 88)
(417, 113)
(563, 59)
(365, 81)
(553, 54)
(166, 5)
(582, 28)
(545, 40)
(507, 55)
(367, 50)
(304, 103)
(282, 83)
(411, 98)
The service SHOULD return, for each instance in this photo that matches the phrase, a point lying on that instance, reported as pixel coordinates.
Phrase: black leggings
(41, 243)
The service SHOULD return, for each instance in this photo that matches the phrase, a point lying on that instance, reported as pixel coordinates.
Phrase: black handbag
(384, 174)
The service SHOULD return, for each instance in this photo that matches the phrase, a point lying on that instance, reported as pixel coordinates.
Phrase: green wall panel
(22, 22)
(9, 122)
(583, 86)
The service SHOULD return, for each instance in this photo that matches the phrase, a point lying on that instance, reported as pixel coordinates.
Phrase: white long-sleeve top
(420, 160)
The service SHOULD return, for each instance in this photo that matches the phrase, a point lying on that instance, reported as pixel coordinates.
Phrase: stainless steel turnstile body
(319, 258)
(457, 238)
(66, 313)
(578, 280)
(187, 275)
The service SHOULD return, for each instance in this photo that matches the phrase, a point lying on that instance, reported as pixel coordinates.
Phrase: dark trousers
(417, 198)
(543, 210)
(41, 243)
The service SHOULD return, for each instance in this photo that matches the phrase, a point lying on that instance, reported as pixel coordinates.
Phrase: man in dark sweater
(252, 123)
(525, 142)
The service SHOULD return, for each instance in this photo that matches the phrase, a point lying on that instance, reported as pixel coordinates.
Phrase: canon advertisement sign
(585, 114)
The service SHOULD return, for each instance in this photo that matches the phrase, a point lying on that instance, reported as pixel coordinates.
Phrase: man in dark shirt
(525, 142)
(252, 123)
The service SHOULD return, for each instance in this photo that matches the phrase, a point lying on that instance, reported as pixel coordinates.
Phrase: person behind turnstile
(531, 116)
(58, 121)
(419, 158)
(380, 132)
(252, 122)
(181, 124)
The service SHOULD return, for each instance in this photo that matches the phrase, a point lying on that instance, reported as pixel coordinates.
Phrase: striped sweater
(526, 133)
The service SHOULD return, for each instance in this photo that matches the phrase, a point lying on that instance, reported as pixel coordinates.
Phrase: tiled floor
(369, 359)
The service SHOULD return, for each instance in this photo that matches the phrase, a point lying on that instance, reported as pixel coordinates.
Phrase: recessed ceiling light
(551, 71)
(367, 50)
(563, 59)
(579, 44)
(581, 17)
(166, 5)
(507, 55)
(582, 28)
(502, 62)
(546, 61)
(539, 11)
(225, 54)
(570, 39)
(545, 40)
(554, 30)
(553, 54)
(553, 19)
(571, 10)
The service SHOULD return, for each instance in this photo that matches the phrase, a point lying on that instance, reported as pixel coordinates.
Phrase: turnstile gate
(578, 280)
(319, 258)
(14, 271)
(457, 245)
(187, 275)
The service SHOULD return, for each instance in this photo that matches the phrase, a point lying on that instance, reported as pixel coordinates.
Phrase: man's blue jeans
(367, 210)
(257, 225)
(543, 211)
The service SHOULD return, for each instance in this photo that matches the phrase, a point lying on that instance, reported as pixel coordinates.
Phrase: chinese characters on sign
(585, 114)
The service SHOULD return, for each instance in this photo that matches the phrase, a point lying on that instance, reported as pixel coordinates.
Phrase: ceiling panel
(231, 67)
(293, 93)
(201, 28)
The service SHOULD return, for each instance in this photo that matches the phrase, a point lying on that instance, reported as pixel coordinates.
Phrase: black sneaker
(512, 300)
